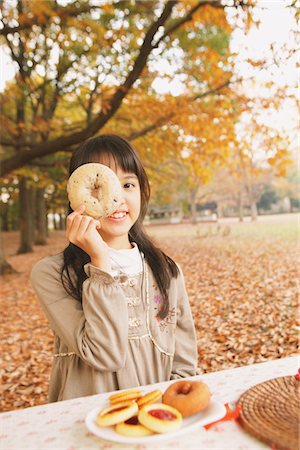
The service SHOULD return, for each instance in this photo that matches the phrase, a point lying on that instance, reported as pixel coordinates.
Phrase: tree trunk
(55, 223)
(193, 193)
(62, 222)
(26, 218)
(47, 222)
(4, 217)
(240, 207)
(219, 210)
(5, 267)
(14, 217)
(41, 218)
(252, 202)
(253, 211)
(32, 217)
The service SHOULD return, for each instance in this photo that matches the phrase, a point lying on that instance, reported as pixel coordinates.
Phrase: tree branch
(188, 17)
(158, 123)
(25, 156)
(164, 119)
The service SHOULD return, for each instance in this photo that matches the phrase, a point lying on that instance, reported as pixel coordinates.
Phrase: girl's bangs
(116, 159)
(111, 151)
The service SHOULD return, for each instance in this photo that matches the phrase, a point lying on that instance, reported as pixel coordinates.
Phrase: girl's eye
(128, 185)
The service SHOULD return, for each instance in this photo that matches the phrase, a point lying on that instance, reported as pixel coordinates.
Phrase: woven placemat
(271, 410)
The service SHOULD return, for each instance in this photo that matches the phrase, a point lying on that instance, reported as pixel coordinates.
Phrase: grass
(277, 227)
(267, 231)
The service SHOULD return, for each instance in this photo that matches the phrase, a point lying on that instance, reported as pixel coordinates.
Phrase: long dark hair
(124, 156)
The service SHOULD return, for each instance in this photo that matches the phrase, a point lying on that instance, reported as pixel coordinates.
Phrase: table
(61, 426)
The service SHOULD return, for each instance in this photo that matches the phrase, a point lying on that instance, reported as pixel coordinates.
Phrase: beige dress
(113, 339)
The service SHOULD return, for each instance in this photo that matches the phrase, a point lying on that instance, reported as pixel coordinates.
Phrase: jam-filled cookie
(160, 418)
(151, 397)
(124, 396)
(119, 412)
(132, 427)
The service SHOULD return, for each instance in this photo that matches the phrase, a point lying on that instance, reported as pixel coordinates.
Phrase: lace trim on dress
(148, 312)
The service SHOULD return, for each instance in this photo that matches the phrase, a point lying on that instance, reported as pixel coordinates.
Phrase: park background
(206, 91)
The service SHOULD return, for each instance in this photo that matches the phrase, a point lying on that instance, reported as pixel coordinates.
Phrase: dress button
(132, 282)
(123, 280)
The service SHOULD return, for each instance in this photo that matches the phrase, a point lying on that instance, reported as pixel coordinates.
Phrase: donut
(132, 394)
(160, 418)
(133, 428)
(97, 187)
(113, 414)
(151, 397)
(189, 397)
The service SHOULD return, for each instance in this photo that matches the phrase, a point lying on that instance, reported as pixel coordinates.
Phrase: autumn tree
(51, 44)
(108, 45)
(260, 151)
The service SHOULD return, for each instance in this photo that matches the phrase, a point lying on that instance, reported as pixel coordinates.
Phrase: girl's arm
(95, 330)
(186, 355)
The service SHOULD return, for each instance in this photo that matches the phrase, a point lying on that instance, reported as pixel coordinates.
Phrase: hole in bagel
(95, 190)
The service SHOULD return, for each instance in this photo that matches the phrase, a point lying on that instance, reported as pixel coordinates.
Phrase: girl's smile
(115, 228)
(118, 216)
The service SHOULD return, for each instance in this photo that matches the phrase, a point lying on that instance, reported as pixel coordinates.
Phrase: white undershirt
(128, 261)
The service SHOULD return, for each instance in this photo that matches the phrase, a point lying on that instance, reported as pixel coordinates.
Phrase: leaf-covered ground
(242, 288)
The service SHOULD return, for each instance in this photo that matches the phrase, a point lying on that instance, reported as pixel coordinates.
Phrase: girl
(117, 305)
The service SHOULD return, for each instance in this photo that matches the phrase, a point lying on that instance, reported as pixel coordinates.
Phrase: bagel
(113, 414)
(132, 428)
(151, 397)
(188, 397)
(160, 418)
(132, 394)
(97, 187)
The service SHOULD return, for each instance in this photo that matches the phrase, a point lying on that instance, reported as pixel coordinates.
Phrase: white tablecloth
(61, 425)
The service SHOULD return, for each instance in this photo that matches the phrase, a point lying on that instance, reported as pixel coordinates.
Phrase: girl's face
(115, 228)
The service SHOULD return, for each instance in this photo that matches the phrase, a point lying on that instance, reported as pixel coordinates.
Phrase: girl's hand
(83, 232)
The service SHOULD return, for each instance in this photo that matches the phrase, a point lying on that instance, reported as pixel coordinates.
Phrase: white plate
(213, 412)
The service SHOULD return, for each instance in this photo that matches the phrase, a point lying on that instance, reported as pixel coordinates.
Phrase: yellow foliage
(42, 10)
